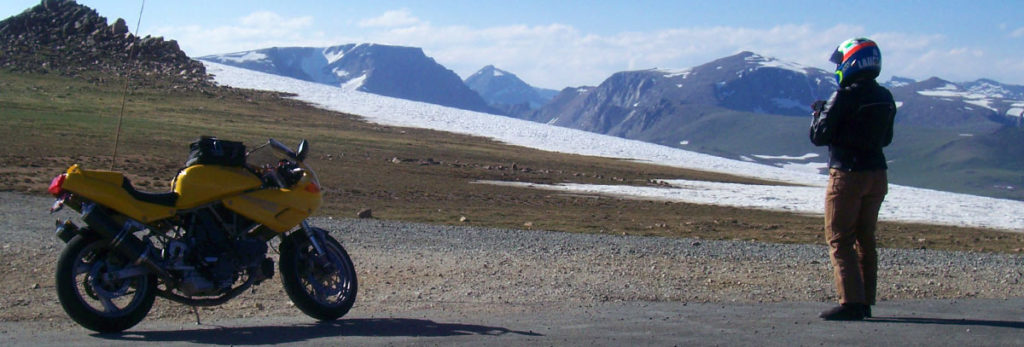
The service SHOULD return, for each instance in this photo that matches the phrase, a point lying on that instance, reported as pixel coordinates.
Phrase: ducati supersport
(201, 244)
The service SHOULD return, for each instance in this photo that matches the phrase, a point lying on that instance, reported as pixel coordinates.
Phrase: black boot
(846, 312)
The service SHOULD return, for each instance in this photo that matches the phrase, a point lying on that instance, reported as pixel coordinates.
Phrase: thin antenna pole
(124, 92)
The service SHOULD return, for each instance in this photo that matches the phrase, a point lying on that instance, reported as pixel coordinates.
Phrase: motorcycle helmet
(857, 58)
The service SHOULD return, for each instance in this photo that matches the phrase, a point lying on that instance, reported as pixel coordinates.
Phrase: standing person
(855, 123)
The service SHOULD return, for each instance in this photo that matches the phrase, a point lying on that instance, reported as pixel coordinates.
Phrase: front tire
(96, 303)
(323, 287)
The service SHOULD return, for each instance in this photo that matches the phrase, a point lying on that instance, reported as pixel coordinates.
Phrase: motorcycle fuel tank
(201, 184)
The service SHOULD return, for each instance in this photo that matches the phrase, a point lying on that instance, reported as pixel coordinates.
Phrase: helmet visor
(837, 57)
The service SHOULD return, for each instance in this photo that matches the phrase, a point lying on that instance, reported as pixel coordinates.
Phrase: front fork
(316, 237)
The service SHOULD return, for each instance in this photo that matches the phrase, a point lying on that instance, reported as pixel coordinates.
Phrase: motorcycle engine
(211, 262)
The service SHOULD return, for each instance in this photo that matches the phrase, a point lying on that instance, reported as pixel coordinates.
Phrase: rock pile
(62, 36)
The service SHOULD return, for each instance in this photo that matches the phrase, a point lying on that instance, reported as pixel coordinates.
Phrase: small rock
(364, 213)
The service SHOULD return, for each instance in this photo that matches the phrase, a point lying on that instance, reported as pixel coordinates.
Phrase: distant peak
(748, 57)
(745, 54)
(762, 61)
(935, 80)
(490, 70)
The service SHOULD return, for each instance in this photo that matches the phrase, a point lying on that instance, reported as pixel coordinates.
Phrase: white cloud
(254, 31)
(1017, 33)
(924, 56)
(390, 19)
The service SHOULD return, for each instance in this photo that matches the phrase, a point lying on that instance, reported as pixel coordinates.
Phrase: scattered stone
(364, 213)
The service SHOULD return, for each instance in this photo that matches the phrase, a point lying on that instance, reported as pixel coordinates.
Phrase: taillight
(56, 186)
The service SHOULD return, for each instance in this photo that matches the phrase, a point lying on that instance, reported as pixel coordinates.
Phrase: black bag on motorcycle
(212, 151)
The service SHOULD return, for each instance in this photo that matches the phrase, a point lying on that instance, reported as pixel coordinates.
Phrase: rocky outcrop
(62, 36)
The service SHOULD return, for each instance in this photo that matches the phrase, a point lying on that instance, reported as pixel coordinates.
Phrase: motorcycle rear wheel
(321, 287)
(94, 302)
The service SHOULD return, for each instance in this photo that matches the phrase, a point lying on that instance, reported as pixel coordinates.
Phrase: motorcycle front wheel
(88, 294)
(322, 286)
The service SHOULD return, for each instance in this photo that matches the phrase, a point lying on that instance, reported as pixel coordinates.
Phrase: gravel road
(462, 272)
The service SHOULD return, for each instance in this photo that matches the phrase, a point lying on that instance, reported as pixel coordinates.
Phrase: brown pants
(852, 201)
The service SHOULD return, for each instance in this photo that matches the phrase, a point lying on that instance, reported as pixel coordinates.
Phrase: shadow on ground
(942, 321)
(274, 334)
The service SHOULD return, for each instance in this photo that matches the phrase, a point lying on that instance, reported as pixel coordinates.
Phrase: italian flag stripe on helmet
(850, 51)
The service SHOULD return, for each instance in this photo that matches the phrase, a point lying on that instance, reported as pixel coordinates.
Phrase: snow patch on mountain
(986, 103)
(333, 54)
(1016, 110)
(682, 74)
(948, 90)
(990, 90)
(976, 96)
(763, 61)
(243, 57)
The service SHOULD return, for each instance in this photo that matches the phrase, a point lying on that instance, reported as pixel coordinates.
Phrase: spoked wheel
(91, 297)
(322, 286)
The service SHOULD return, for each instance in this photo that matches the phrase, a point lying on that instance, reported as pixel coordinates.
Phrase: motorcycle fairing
(278, 209)
(201, 184)
(108, 189)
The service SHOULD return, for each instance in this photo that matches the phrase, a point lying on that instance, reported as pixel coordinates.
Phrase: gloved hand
(817, 107)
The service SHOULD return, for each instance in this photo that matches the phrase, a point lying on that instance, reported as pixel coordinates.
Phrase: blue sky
(554, 44)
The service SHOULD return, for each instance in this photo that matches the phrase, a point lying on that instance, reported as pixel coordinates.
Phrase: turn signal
(312, 188)
(56, 186)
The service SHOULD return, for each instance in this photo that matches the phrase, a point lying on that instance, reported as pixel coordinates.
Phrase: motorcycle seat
(163, 199)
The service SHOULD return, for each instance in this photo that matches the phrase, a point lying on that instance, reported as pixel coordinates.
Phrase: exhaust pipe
(122, 239)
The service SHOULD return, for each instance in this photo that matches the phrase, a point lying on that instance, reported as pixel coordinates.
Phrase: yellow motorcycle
(201, 244)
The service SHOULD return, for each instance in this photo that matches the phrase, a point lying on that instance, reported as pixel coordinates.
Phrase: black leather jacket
(855, 124)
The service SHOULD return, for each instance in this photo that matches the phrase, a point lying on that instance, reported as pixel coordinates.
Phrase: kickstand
(196, 312)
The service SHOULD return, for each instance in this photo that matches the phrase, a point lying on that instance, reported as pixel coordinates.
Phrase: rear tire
(321, 287)
(96, 304)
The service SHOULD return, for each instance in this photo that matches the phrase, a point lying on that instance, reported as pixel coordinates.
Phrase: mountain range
(395, 71)
(965, 137)
(952, 136)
